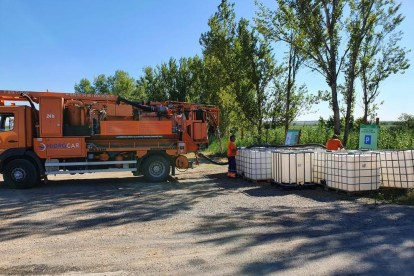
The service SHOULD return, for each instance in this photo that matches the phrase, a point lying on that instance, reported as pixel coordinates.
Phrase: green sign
(292, 137)
(368, 137)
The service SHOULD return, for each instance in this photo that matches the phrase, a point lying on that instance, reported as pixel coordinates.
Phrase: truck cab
(18, 164)
(13, 123)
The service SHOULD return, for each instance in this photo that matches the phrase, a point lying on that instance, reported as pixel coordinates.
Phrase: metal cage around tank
(353, 171)
(397, 168)
(293, 168)
(255, 163)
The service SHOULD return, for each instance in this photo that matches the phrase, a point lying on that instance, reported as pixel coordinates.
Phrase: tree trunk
(259, 132)
(365, 119)
(366, 103)
(289, 88)
(349, 101)
(348, 117)
(335, 108)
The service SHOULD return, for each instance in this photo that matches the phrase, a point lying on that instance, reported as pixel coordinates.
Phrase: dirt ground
(199, 223)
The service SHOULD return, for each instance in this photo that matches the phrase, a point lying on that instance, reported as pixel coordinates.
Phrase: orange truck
(72, 133)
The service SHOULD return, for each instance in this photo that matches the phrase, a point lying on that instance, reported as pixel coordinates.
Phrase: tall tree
(380, 57)
(317, 25)
(245, 60)
(366, 17)
(361, 19)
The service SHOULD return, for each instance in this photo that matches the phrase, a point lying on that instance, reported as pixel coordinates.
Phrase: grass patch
(407, 199)
(395, 196)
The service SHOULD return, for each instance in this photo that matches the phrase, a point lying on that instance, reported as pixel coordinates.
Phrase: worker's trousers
(232, 166)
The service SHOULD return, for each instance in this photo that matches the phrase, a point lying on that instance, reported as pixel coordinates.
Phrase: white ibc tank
(292, 167)
(397, 169)
(319, 166)
(259, 164)
(255, 163)
(353, 171)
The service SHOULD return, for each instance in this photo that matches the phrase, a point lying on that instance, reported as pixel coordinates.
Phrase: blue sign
(292, 137)
(367, 140)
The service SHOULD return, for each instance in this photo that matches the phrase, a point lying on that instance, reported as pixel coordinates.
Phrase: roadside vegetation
(398, 135)
(395, 196)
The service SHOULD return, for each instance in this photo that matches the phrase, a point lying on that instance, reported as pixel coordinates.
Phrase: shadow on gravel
(376, 239)
(65, 206)
(267, 189)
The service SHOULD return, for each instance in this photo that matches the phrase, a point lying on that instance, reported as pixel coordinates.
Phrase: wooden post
(377, 121)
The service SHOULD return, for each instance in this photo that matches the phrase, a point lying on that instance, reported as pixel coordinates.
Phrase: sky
(53, 44)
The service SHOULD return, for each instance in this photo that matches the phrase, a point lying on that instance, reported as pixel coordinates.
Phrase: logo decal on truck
(42, 147)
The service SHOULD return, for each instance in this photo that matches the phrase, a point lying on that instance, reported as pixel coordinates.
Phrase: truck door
(9, 129)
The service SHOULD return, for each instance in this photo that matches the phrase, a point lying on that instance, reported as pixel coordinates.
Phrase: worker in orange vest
(334, 143)
(231, 156)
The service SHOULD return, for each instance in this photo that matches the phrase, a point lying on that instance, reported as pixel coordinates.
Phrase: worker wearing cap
(231, 156)
(334, 143)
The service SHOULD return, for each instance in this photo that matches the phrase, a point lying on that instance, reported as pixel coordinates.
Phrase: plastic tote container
(292, 167)
(255, 163)
(397, 170)
(353, 171)
(258, 164)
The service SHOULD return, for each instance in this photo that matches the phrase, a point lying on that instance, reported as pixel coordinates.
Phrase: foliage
(124, 85)
(245, 60)
(290, 101)
(101, 85)
(380, 57)
(175, 81)
(388, 137)
(84, 86)
(121, 83)
(316, 27)
(406, 120)
(407, 199)
(367, 19)
(395, 196)
(331, 40)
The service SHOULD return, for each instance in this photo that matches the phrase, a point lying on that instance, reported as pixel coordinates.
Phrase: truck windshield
(6, 122)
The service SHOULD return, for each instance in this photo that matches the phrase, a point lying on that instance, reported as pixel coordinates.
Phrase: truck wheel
(21, 174)
(156, 168)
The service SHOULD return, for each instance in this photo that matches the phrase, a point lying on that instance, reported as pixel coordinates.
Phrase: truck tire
(156, 168)
(20, 174)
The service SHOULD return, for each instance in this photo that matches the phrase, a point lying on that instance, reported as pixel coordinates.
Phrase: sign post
(368, 137)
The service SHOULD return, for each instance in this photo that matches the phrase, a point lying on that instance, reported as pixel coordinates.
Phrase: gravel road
(197, 223)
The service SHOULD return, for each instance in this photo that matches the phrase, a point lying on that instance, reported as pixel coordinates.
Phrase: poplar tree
(245, 63)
